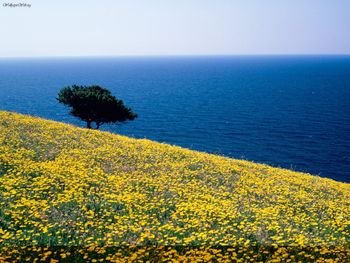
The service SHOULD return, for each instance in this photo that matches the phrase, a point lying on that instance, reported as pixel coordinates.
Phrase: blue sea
(286, 111)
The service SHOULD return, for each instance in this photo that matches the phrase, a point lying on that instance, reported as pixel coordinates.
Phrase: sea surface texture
(291, 112)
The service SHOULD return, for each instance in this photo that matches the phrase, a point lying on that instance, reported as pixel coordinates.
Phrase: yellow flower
(66, 186)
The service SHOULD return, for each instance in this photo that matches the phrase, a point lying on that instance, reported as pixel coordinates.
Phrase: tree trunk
(98, 124)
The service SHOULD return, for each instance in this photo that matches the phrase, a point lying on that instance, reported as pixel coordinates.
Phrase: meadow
(77, 195)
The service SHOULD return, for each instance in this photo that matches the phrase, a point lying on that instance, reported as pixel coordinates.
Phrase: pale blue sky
(174, 27)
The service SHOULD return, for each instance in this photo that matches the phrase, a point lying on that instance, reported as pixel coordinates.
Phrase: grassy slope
(63, 185)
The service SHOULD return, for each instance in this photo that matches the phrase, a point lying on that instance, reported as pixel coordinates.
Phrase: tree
(94, 104)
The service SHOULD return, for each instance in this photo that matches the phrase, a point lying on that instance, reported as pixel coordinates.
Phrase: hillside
(63, 187)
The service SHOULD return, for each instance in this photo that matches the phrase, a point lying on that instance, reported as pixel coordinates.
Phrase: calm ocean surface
(291, 112)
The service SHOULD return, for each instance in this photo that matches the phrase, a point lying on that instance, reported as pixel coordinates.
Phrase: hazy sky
(174, 27)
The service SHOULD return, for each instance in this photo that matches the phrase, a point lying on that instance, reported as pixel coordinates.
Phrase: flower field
(78, 195)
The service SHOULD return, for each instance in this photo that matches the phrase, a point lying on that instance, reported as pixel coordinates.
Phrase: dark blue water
(292, 112)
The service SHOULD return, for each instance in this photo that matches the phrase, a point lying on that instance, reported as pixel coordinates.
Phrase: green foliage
(94, 104)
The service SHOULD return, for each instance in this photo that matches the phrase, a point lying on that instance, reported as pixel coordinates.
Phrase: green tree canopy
(94, 104)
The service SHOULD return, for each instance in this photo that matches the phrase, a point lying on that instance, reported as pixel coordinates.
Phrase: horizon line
(178, 55)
